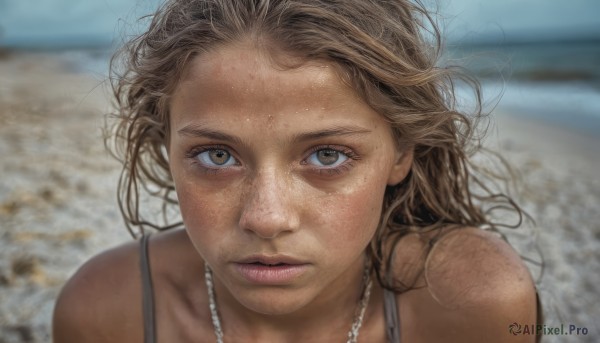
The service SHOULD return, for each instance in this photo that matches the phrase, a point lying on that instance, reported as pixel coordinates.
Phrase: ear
(401, 166)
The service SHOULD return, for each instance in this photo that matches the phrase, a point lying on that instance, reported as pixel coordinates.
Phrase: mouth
(277, 260)
(269, 264)
(271, 270)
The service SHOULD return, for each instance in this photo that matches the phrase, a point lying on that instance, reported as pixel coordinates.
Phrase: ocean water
(572, 104)
(558, 82)
(555, 82)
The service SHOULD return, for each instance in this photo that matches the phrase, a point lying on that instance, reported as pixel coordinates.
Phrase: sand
(58, 203)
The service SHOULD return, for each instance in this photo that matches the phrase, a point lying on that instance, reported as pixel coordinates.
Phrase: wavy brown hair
(387, 50)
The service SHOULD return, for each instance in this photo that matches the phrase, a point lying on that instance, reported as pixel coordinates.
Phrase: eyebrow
(199, 131)
(335, 131)
(194, 130)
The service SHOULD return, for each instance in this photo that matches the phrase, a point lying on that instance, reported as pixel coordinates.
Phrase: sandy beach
(58, 201)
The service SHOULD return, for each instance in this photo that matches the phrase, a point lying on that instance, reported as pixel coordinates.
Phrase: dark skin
(242, 192)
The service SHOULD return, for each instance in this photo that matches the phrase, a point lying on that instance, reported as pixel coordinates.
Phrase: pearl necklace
(352, 334)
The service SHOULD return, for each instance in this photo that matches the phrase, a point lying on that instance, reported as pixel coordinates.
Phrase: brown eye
(219, 157)
(328, 157)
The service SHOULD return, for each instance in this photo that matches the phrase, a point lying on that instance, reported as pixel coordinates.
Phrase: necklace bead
(354, 329)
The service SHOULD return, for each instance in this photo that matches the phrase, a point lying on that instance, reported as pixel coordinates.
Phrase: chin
(273, 301)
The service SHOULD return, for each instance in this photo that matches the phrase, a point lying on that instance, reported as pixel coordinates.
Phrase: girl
(323, 181)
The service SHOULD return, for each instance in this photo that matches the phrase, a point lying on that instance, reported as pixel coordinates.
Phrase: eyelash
(193, 153)
(337, 170)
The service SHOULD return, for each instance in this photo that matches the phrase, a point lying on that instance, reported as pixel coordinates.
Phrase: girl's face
(280, 175)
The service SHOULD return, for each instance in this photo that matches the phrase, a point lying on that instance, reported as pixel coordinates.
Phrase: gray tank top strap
(392, 318)
(147, 292)
(391, 309)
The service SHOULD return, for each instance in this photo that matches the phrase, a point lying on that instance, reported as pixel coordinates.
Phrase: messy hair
(388, 51)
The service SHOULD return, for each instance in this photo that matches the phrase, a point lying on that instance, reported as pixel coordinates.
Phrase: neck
(330, 314)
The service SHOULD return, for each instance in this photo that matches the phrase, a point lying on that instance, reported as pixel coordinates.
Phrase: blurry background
(553, 44)
(547, 51)
(538, 61)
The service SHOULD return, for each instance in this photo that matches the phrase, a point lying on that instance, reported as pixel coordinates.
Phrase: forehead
(248, 67)
(242, 82)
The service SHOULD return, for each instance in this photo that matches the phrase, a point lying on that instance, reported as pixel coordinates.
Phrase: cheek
(359, 206)
(208, 219)
(205, 211)
(353, 216)
(199, 202)
(195, 208)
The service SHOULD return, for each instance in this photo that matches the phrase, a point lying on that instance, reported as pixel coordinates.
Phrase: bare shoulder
(473, 266)
(100, 301)
(477, 285)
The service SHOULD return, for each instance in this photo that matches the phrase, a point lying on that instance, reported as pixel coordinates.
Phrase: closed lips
(271, 260)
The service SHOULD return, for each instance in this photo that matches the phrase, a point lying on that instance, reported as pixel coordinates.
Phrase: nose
(268, 207)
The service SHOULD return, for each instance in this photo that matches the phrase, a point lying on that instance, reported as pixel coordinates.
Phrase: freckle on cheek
(361, 209)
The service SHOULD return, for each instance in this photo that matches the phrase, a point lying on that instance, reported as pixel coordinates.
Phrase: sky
(40, 21)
